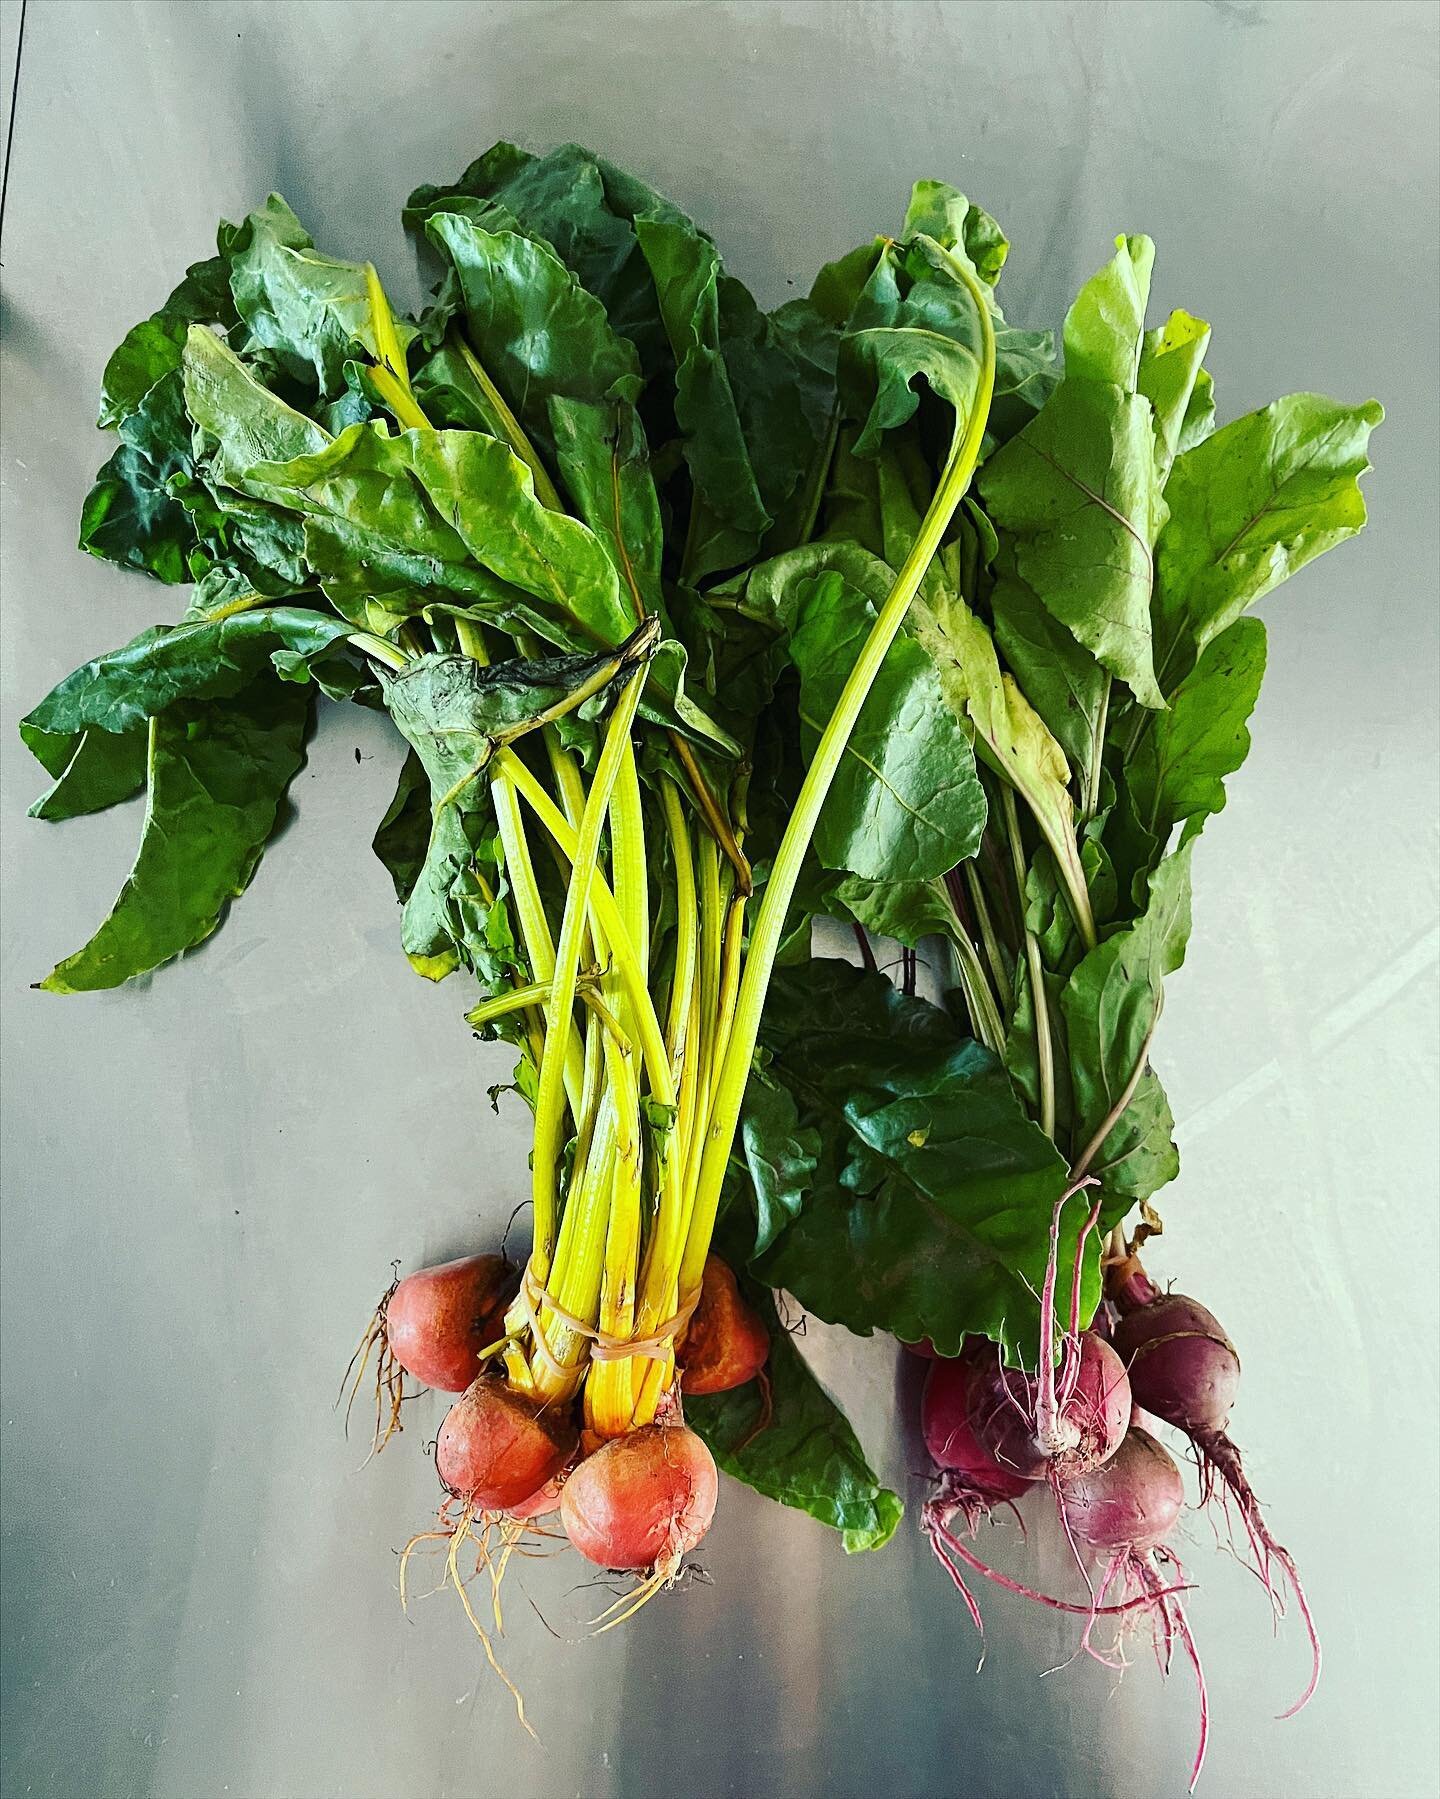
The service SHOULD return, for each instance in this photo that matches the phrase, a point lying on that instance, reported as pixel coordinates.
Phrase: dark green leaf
(130, 516)
(807, 1456)
(204, 660)
(584, 209)
(731, 516)
(930, 1212)
(906, 800)
(780, 1157)
(100, 771)
(153, 348)
(404, 832)
(218, 772)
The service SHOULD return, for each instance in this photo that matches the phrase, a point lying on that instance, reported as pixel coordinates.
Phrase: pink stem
(1183, 1631)
(1078, 1269)
(960, 1587)
(1221, 1457)
(972, 1561)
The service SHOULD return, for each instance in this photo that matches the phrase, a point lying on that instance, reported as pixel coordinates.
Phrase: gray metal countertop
(205, 1181)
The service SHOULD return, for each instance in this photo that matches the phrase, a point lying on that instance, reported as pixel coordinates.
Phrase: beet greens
(698, 624)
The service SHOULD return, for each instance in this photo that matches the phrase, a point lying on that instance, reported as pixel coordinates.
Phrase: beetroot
(438, 1320)
(497, 1447)
(1130, 1503)
(726, 1342)
(642, 1501)
(1059, 1423)
(1183, 1368)
(945, 1422)
(1125, 1511)
(541, 1503)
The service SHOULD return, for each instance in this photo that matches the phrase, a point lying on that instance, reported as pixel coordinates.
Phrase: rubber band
(604, 1347)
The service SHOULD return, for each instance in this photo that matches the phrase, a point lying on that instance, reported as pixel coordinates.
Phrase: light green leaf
(1251, 505)
(1110, 1005)
(1180, 765)
(1057, 674)
(247, 422)
(1106, 322)
(1078, 493)
(1170, 372)
(942, 212)
(1012, 736)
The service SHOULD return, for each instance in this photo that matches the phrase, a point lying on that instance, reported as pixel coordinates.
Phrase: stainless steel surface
(204, 1181)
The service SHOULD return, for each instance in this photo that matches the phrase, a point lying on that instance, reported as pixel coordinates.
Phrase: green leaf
(1057, 674)
(1078, 494)
(489, 496)
(398, 515)
(403, 834)
(930, 1212)
(533, 326)
(807, 1456)
(569, 379)
(914, 321)
(906, 800)
(1105, 326)
(154, 347)
(780, 1157)
(208, 659)
(584, 208)
(1078, 490)
(455, 714)
(247, 422)
(904, 910)
(1251, 505)
(1110, 1005)
(100, 770)
(310, 312)
(1180, 765)
(1170, 377)
(217, 774)
(130, 515)
(731, 517)
(942, 212)
(1012, 735)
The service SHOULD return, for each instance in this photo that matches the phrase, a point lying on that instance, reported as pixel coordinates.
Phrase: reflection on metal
(205, 1183)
